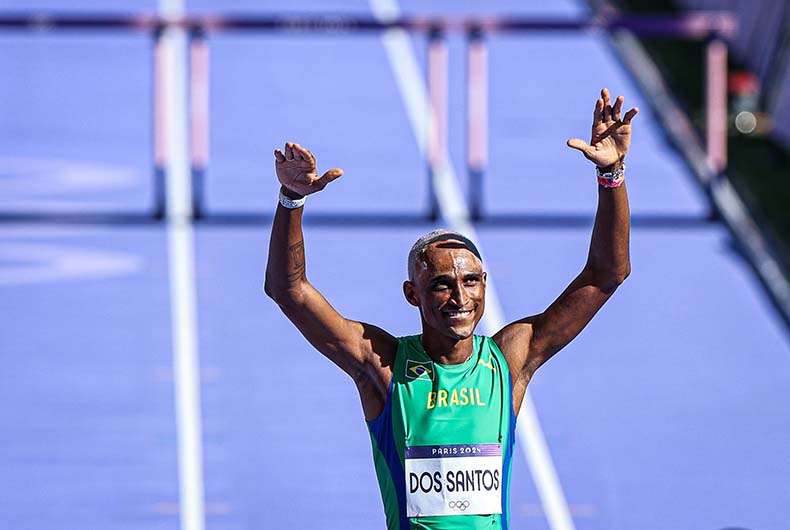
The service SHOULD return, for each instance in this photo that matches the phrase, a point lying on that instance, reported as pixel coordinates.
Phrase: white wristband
(290, 203)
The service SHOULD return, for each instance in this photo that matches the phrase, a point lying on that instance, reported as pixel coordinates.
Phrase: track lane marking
(183, 295)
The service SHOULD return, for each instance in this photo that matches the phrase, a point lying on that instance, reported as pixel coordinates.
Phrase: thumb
(330, 175)
(580, 145)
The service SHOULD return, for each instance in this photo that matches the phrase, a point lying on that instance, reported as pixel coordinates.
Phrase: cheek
(437, 299)
(480, 294)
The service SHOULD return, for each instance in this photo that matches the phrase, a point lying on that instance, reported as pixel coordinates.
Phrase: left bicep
(530, 342)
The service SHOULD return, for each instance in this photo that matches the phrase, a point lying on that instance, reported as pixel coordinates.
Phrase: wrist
(611, 168)
(291, 194)
(289, 202)
(613, 176)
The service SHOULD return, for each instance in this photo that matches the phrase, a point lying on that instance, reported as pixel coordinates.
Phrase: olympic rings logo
(458, 505)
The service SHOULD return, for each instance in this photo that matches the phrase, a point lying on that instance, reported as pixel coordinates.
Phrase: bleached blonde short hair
(425, 241)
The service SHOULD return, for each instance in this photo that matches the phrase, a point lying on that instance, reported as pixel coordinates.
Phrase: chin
(461, 332)
(454, 330)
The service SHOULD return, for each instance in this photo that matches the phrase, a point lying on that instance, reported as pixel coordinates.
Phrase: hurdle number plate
(459, 479)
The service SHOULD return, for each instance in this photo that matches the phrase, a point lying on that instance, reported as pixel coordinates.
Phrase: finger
(618, 107)
(297, 152)
(630, 115)
(279, 155)
(598, 113)
(289, 151)
(330, 175)
(580, 145)
(607, 108)
(301, 152)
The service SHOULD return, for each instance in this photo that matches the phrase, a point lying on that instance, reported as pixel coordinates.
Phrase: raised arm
(363, 351)
(530, 342)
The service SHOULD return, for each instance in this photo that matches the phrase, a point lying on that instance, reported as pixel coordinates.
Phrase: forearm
(608, 259)
(285, 270)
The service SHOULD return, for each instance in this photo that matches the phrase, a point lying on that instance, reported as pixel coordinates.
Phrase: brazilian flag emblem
(419, 370)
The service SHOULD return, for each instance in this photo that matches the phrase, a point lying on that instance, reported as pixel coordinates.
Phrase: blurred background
(148, 383)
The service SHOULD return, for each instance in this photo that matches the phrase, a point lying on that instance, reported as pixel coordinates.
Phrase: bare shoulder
(514, 342)
(378, 345)
(379, 349)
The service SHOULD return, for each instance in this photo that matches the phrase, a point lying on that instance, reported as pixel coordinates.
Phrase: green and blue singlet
(442, 445)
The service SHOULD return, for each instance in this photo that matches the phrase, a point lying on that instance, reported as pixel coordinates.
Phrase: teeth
(458, 313)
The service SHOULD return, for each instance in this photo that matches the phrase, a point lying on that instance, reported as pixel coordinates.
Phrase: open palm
(611, 136)
(297, 172)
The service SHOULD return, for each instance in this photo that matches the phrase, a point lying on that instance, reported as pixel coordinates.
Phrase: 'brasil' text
(455, 398)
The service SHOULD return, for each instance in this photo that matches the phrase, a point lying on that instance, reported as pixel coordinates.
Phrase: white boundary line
(183, 294)
(454, 211)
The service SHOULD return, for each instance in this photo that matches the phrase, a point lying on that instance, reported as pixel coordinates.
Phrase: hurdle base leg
(433, 203)
(198, 181)
(160, 196)
(475, 194)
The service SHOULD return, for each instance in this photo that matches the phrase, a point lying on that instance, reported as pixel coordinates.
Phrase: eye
(472, 280)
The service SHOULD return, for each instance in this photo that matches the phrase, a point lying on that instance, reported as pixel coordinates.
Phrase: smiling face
(448, 285)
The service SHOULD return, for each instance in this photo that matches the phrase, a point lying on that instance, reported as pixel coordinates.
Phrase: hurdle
(715, 28)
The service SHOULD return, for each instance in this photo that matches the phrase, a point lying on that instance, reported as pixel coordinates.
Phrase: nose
(460, 296)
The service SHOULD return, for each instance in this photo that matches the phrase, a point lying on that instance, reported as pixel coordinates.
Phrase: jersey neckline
(472, 360)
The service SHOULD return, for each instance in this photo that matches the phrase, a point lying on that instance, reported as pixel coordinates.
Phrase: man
(441, 406)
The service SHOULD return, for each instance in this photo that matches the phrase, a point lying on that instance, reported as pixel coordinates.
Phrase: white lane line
(410, 83)
(182, 274)
(453, 207)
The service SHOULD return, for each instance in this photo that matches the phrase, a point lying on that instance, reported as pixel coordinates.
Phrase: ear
(410, 292)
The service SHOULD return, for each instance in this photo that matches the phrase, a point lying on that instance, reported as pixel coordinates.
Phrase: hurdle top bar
(697, 25)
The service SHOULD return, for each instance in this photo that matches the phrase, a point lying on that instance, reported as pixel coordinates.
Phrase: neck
(447, 350)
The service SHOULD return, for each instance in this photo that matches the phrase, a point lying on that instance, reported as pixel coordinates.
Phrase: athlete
(441, 406)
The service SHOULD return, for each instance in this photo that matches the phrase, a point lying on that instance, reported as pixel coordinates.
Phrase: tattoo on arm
(296, 261)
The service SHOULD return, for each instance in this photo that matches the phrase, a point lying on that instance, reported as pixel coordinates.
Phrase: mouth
(458, 314)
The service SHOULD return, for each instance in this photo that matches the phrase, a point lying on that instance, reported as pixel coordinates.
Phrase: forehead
(448, 257)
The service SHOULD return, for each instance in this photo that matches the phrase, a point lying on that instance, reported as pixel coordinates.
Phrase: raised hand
(296, 170)
(611, 136)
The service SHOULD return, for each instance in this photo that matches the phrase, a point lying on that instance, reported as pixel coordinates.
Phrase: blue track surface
(669, 411)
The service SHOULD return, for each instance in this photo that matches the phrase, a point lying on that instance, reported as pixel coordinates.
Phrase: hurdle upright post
(476, 118)
(158, 125)
(198, 116)
(716, 103)
(437, 114)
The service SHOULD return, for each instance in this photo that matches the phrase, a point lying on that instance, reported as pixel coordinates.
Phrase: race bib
(458, 479)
